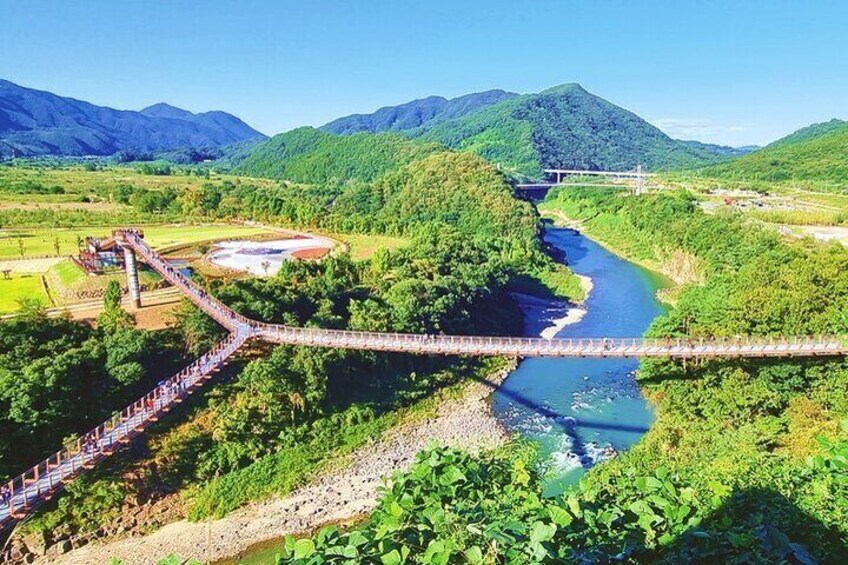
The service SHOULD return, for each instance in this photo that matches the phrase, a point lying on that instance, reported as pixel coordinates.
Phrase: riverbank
(579, 411)
(462, 419)
(672, 269)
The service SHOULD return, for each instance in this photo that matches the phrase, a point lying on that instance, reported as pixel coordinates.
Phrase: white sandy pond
(254, 256)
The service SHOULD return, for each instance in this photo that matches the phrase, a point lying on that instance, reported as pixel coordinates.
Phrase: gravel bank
(464, 421)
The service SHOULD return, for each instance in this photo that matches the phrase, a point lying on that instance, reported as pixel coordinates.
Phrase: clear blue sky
(736, 72)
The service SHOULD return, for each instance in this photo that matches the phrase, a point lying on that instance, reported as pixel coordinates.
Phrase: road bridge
(39, 483)
(540, 189)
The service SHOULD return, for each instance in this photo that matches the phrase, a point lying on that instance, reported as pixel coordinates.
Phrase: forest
(746, 462)
(278, 417)
(814, 153)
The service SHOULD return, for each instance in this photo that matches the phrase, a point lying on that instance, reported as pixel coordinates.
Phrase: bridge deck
(43, 480)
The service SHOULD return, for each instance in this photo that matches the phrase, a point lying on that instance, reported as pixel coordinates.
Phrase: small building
(100, 255)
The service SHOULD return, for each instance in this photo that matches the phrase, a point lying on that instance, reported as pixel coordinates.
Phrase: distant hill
(309, 155)
(562, 127)
(35, 122)
(426, 111)
(817, 153)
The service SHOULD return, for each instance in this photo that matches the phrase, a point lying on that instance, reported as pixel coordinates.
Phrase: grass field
(69, 273)
(38, 242)
(364, 246)
(18, 287)
(68, 183)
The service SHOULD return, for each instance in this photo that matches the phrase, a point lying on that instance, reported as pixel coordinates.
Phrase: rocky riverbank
(462, 420)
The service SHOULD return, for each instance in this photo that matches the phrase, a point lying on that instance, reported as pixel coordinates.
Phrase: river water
(582, 411)
(573, 408)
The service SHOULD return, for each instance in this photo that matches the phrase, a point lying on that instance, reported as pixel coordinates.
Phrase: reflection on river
(582, 411)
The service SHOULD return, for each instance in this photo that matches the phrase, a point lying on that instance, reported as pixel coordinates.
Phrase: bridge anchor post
(131, 266)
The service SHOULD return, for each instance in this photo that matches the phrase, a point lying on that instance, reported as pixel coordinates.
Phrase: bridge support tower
(131, 266)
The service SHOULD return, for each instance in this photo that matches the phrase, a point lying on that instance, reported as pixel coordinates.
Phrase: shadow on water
(567, 424)
(582, 411)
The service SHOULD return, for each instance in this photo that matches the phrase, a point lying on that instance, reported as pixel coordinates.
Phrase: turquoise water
(580, 410)
(573, 408)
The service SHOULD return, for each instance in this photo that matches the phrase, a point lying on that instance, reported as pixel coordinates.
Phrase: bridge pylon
(131, 266)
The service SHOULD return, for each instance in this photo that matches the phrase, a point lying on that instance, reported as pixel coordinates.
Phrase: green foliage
(454, 508)
(814, 153)
(59, 378)
(113, 317)
(567, 127)
(87, 504)
(308, 155)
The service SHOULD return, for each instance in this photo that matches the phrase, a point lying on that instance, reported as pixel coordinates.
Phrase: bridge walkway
(39, 483)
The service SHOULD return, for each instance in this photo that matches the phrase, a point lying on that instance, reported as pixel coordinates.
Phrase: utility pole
(640, 181)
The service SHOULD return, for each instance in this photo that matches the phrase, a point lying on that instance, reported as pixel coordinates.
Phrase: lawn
(364, 246)
(18, 287)
(69, 273)
(39, 242)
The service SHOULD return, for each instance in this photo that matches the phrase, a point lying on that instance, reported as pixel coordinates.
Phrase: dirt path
(464, 421)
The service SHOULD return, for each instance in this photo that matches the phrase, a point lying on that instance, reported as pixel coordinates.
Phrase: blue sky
(743, 72)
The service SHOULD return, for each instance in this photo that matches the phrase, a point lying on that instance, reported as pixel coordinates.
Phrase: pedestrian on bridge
(5, 495)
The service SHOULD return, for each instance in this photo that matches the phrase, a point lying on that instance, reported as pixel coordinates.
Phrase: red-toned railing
(40, 482)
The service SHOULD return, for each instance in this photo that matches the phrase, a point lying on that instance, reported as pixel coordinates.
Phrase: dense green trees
(308, 155)
(59, 378)
(813, 153)
(567, 127)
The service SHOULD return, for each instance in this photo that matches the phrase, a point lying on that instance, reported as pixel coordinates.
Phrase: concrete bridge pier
(131, 266)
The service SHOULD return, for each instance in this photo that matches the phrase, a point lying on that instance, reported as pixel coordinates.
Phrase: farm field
(51, 184)
(365, 246)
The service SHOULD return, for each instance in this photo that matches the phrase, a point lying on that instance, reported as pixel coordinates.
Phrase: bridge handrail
(30, 487)
(209, 304)
(453, 341)
(227, 317)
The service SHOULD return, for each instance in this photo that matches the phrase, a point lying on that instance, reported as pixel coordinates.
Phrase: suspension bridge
(39, 483)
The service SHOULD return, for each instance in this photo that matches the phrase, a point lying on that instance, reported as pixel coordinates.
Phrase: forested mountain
(35, 122)
(818, 152)
(426, 111)
(568, 127)
(562, 127)
(309, 155)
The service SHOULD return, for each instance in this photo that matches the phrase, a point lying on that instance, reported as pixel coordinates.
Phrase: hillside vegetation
(562, 127)
(815, 153)
(747, 461)
(309, 155)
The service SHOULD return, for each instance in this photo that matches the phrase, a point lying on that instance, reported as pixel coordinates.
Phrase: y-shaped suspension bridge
(41, 482)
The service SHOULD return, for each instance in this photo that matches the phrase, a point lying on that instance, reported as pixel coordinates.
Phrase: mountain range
(35, 122)
(561, 127)
(412, 115)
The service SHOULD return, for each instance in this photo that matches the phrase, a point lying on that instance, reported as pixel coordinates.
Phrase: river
(577, 409)
(573, 408)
